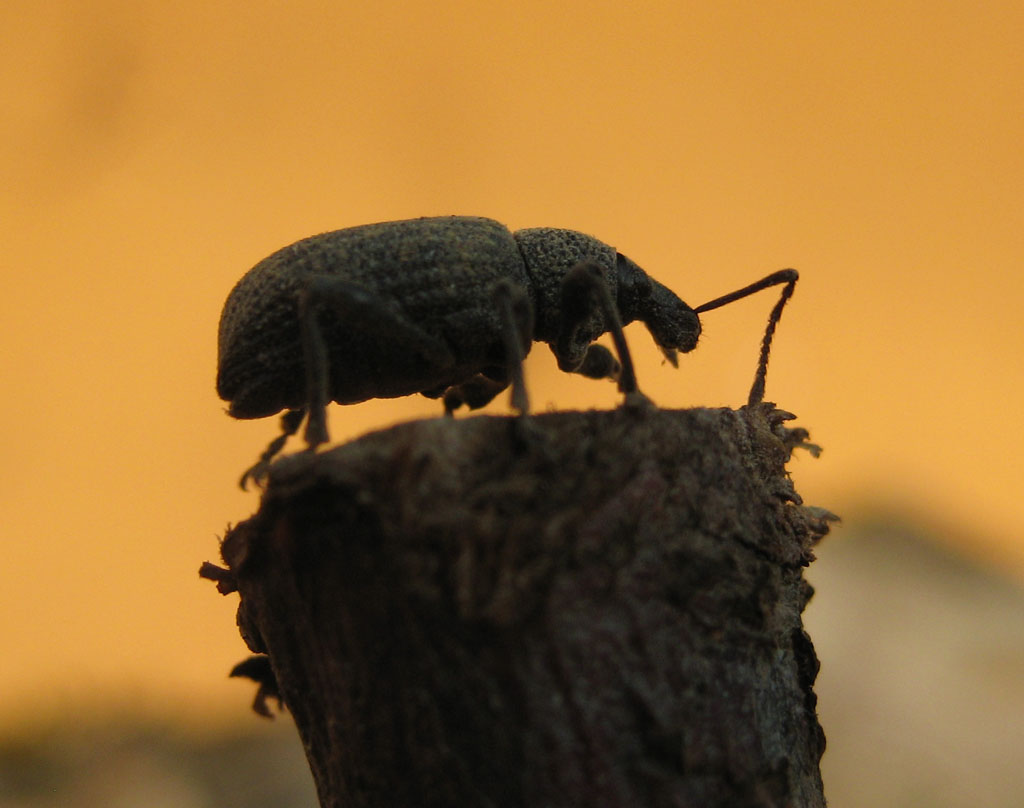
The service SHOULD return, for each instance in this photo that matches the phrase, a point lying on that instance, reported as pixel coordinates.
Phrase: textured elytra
(435, 273)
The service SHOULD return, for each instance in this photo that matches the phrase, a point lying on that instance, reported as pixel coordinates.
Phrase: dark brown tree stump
(571, 609)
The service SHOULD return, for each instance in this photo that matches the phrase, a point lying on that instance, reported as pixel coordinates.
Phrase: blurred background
(152, 152)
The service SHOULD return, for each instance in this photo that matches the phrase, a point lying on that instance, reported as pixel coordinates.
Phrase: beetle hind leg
(361, 309)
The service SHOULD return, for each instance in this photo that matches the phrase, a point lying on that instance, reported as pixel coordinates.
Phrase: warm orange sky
(152, 152)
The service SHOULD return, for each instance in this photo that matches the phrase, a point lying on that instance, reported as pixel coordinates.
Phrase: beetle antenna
(786, 276)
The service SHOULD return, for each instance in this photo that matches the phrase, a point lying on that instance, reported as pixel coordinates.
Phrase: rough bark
(572, 609)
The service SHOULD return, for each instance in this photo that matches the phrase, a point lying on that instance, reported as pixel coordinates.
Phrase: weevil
(447, 307)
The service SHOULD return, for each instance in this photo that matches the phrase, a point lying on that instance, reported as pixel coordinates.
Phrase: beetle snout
(674, 330)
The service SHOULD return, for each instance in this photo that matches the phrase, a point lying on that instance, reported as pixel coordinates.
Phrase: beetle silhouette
(444, 306)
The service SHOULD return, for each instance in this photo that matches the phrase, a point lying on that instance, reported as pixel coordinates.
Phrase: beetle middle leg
(515, 313)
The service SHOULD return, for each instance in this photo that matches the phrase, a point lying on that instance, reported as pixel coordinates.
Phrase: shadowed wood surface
(572, 609)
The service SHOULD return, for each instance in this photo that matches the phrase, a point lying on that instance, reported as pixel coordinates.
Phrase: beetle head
(673, 325)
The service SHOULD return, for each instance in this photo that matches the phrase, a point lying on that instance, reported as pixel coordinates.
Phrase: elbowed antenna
(786, 276)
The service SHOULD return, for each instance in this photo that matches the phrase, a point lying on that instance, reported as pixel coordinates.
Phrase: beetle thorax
(549, 253)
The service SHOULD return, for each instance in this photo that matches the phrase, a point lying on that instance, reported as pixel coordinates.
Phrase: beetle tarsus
(638, 402)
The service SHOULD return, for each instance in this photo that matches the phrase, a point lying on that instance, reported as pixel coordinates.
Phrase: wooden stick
(593, 609)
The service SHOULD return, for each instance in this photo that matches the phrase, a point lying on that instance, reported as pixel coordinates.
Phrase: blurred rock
(921, 690)
(126, 765)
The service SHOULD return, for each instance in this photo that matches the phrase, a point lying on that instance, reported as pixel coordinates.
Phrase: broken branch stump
(572, 609)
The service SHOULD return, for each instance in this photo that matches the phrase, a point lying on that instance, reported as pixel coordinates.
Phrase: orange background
(152, 152)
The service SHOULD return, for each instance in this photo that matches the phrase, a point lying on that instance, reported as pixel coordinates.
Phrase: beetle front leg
(583, 286)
